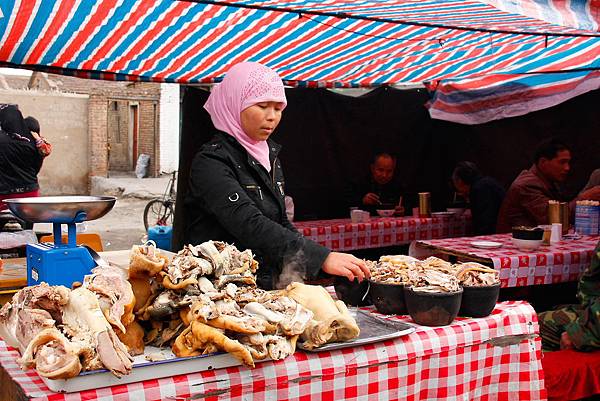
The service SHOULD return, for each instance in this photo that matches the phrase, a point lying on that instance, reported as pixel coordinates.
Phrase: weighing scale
(60, 263)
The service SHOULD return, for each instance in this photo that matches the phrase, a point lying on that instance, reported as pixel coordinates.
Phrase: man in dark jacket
(484, 193)
(526, 202)
(246, 207)
(379, 189)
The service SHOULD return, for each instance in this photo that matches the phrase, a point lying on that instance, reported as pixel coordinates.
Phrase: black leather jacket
(232, 198)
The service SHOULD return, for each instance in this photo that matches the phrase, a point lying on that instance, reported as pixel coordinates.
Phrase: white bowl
(458, 211)
(443, 215)
(527, 244)
(386, 212)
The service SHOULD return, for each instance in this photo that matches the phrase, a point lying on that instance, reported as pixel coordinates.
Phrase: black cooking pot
(479, 301)
(352, 292)
(432, 308)
(388, 298)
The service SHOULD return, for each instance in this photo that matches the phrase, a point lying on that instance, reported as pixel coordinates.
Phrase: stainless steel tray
(372, 329)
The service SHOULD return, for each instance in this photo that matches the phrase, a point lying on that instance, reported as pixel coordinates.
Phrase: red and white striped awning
(326, 43)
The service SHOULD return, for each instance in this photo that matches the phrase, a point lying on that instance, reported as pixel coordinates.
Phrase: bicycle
(160, 211)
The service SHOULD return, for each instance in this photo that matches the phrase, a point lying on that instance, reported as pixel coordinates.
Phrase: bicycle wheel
(158, 213)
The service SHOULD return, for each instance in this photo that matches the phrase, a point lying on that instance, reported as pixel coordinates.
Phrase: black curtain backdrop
(329, 139)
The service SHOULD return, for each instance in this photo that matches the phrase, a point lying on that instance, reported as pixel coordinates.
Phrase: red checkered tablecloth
(459, 361)
(559, 262)
(343, 235)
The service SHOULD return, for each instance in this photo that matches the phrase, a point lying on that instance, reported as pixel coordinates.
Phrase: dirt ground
(123, 226)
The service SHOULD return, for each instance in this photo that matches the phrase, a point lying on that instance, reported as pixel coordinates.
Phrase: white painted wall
(169, 127)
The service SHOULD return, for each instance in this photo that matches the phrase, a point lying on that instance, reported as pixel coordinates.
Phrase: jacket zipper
(273, 172)
(279, 184)
(257, 187)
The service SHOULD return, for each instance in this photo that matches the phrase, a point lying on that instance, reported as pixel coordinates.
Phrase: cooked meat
(133, 338)
(52, 355)
(332, 321)
(199, 337)
(83, 320)
(475, 274)
(146, 260)
(114, 293)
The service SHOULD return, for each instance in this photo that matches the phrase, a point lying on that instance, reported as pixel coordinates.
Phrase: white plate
(486, 244)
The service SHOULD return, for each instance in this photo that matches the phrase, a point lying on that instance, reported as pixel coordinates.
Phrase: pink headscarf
(245, 85)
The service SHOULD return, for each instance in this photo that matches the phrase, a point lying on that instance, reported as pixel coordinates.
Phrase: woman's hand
(36, 136)
(346, 265)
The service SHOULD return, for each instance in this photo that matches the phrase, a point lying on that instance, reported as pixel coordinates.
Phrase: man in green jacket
(576, 326)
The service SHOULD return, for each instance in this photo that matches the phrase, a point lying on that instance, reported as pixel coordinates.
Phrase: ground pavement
(123, 226)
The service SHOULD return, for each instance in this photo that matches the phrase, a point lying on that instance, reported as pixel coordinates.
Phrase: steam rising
(294, 269)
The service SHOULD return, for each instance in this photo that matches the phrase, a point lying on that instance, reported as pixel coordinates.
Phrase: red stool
(571, 375)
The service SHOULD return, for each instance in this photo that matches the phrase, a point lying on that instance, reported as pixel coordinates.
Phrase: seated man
(526, 202)
(576, 326)
(379, 187)
(484, 194)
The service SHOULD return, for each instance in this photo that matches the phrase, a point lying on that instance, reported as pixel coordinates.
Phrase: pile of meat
(392, 269)
(61, 332)
(205, 300)
(473, 274)
(432, 274)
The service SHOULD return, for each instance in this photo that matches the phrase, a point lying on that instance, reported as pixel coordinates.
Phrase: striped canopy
(326, 43)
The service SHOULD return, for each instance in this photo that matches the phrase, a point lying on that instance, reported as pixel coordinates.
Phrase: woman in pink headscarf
(237, 185)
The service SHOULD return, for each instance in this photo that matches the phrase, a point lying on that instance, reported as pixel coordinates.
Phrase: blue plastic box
(162, 236)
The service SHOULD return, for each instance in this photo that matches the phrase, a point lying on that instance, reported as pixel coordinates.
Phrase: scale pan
(60, 209)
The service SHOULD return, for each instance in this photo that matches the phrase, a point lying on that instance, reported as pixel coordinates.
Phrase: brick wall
(97, 123)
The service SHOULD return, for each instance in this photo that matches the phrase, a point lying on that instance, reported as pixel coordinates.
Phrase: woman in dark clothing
(43, 146)
(237, 185)
(20, 160)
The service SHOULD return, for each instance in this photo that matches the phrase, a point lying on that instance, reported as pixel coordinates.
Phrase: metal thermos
(424, 204)
(558, 212)
(553, 212)
(564, 217)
